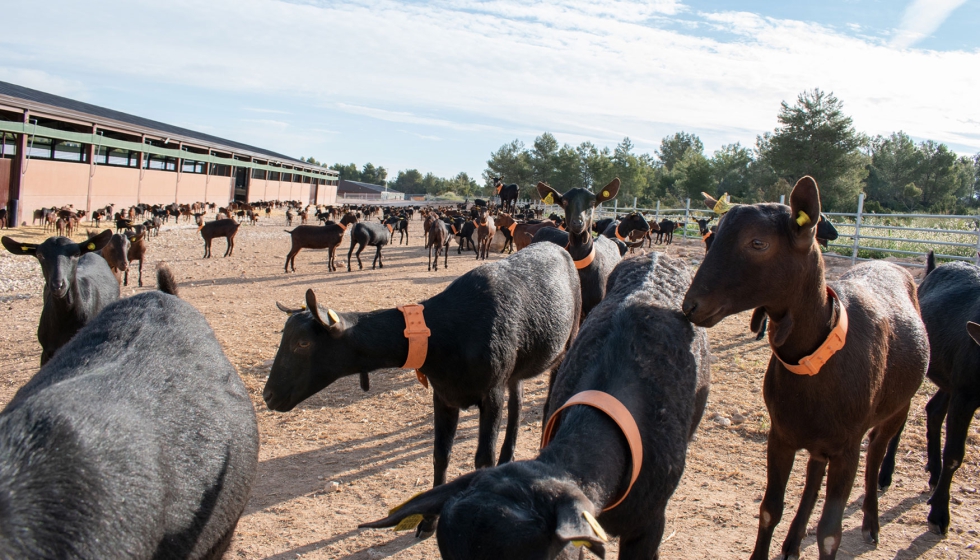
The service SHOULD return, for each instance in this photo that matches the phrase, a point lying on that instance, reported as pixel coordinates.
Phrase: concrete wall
(50, 183)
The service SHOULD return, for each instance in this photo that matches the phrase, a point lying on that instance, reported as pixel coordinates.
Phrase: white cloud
(921, 18)
(37, 79)
(490, 71)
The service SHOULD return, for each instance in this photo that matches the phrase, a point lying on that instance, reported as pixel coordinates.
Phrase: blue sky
(438, 86)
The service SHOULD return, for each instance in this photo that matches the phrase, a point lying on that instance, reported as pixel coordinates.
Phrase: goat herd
(137, 438)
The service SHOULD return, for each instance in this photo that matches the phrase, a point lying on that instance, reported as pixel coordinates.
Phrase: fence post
(687, 216)
(634, 204)
(977, 258)
(615, 208)
(782, 199)
(857, 228)
(657, 215)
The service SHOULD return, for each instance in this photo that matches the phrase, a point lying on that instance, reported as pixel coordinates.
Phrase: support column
(139, 184)
(17, 171)
(91, 172)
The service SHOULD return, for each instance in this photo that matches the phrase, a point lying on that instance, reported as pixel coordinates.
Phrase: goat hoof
(870, 537)
(933, 528)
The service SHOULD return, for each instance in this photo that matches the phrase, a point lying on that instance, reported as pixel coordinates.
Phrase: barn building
(56, 151)
(356, 190)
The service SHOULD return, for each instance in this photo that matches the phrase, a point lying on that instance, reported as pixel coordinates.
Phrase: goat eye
(759, 245)
(303, 344)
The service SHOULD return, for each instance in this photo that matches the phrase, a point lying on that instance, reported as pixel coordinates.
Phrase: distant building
(56, 151)
(366, 191)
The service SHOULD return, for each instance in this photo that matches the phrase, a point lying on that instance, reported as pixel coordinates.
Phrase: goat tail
(930, 262)
(166, 282)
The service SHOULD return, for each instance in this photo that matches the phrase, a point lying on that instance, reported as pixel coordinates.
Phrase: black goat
(370, 233)
(465, 230)
(226, 228)
(77, 285)
(949, 297)
(516, 326)
(622, 228)
(636, 346)
(595, 259)
(508, 194)
(114, 449)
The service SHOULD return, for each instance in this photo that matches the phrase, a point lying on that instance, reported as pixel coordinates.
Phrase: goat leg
(840, 480)
(815, 470)
(514, 402)
(935, 414)
(961, 409)
(779, 464)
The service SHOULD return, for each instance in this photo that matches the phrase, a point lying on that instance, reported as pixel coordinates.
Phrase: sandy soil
(345, 456)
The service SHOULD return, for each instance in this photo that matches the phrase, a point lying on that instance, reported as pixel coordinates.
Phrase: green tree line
(813, 137)
(410, 181)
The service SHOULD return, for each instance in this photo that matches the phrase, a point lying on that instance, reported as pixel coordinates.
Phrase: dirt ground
(345, 456)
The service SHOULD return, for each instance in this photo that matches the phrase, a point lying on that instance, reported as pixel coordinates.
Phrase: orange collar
(453, 227)
(562, 227)
(418, 339)
(616, 231)
(511, 228)
(810, 365)
(706, 236)
(620, 415)
(343, 226)
(584, 262)
(391, 229)
(500, 186)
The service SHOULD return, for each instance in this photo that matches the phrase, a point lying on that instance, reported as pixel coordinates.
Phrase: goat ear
(96, 243)
(780, 332)
(974, 330)
(409, 514)
(289, 310)
(576, 525)
(549, 195)
(804, 203)
(365, 382)
(608, 192)
(326, 317)
(758, 316)
(17, 248)
(709, 200)
(825, 229)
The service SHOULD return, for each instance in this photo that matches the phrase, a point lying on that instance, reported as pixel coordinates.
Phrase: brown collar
(418, 339)
(810, 365)
(620, 415)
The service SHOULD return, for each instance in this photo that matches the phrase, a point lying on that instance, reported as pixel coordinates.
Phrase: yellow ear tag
(803, 219)
(91, 246)
(550, 199)
(586, 544)
(25, 249)
(723, 205)
(333, 316)
(409, 523)
(605, 193)
(595, 526)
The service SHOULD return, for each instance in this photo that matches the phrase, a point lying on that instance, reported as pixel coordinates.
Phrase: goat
(3, 218)
(136, 252)
(867, 384)
(77, 285)
(114, 449)
(326, 236)
(401, 226)
(466, 229)
(594, 258)
(637, 347)
(485, 230)
(524, 327)
(289, 217)
(508, 194)
(950, 300)
(226, 228)
(369, 233)
(665, 233)
(630, 224)
(439, 239)
(114, 254)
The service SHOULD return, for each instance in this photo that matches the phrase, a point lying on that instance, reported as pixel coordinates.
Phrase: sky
(438, 86)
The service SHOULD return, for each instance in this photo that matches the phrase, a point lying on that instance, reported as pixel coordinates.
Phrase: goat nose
(689, 307)
(267, 394)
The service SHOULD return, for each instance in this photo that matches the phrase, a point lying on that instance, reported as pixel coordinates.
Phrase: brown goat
(439, 239)
(114, 253)
(485, 230)
(137, 251)
(326, 236)
(867, 384)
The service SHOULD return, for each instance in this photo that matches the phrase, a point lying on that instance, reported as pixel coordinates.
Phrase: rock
(334, 486)
(723, 422)
(956, 500)
(737, 419)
